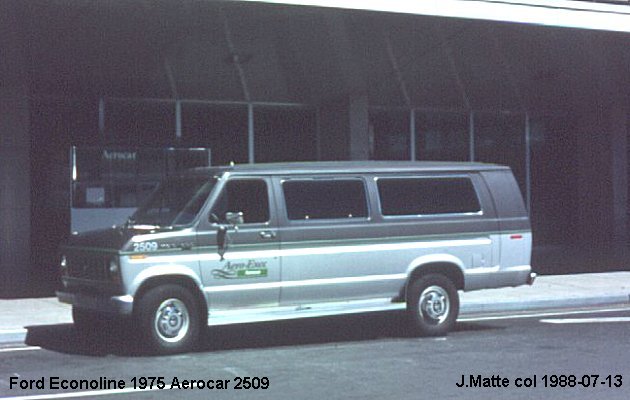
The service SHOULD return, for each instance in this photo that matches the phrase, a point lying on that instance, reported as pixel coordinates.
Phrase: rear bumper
(107, 304)
(491, 278)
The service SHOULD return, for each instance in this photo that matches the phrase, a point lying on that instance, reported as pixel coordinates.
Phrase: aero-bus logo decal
(241, 270)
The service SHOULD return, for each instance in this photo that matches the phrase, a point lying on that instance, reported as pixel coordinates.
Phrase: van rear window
(325, 199)
(427, 196)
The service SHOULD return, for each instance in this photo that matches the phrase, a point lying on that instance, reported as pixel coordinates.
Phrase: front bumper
(106, 304)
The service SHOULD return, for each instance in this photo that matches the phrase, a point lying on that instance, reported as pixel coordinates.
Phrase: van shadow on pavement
(64, 338)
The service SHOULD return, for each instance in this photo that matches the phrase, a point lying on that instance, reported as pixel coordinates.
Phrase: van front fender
(163, 271)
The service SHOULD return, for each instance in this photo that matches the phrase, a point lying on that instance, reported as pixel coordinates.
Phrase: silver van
(260, 242)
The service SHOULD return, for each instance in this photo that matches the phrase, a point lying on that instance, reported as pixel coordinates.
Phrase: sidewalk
(553, 292)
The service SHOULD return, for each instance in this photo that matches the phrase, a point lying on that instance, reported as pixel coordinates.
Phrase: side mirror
(223, 238)
(234, 218)
(222, 241)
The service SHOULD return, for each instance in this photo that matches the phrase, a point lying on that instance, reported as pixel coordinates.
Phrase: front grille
(83, 265)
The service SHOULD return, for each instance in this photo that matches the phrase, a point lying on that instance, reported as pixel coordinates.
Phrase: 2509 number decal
(145, 246)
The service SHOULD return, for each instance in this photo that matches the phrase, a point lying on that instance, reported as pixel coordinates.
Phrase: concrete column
(344, 121)
(614, 110)
(344, 129)
(594, 186)
(333, 128)
(359, 124)
(617, 114)
(15, 166)
(603, 151)
(618, 123)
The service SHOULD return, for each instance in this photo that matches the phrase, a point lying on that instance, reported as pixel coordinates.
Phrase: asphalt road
(357, 357)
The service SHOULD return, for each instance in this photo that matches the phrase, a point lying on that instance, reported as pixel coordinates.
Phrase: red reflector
(516, 236)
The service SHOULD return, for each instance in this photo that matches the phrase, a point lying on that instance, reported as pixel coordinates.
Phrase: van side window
(426, 196)
(325, 199)
(248, 196)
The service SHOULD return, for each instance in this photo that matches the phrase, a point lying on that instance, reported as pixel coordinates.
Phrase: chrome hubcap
(434, 305)
(172, 320)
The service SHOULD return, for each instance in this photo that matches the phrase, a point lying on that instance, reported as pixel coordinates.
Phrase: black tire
(432, 305)
(169, 320)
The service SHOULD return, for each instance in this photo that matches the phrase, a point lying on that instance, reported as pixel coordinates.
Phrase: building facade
(543, 92)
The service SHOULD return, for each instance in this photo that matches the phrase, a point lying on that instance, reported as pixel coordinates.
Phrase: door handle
(267, 235)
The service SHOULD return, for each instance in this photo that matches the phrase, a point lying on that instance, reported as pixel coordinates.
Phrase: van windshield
(175, 202)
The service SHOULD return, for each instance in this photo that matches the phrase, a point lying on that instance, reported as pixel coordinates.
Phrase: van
(262, 242)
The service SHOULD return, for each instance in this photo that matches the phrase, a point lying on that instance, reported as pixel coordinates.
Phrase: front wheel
(169, 319)
(432, 305)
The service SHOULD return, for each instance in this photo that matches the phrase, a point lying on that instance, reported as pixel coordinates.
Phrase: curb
(13, 335)
(543, 304)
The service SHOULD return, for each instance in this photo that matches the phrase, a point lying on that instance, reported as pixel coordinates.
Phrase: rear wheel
(432, 305)
(169, 319)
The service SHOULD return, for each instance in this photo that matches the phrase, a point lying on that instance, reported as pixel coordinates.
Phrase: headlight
(113, 266)
(63, 263)
(114, 270)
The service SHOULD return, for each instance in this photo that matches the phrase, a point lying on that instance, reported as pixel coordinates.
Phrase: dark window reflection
(390, 135)
(500, 139)
(442, 136)
(427, 196)
(285, 134)
(248, 196)
(322, 199)
(222, 128)
(140, 123)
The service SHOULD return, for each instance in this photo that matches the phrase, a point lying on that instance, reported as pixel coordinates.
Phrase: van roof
(330, 167)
